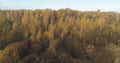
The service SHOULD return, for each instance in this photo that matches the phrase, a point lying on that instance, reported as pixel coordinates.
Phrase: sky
(82, 5)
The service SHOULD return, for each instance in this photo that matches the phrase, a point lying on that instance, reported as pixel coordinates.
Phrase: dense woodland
(59, 36)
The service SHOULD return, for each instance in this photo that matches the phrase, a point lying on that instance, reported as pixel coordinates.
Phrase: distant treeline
(58, 36)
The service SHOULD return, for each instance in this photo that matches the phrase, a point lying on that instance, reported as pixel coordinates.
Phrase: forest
(59, 36)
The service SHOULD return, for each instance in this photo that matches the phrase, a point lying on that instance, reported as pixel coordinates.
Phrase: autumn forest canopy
(59, 36)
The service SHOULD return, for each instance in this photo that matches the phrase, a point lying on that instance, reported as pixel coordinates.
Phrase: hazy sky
(83, 5)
